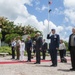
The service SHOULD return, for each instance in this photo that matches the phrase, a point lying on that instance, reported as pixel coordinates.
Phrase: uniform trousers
(53, 53)
(18, 52)
(21, 55)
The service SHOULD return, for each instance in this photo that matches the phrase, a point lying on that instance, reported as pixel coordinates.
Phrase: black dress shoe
(36, 63)
(72, 69)
(53, 65)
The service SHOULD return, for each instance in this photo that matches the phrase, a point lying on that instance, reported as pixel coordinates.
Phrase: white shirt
(62, 46)
(22, 46)
(13, 44)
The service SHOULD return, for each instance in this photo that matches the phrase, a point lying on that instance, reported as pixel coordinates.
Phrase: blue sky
(35, 13)
(39, 8)
(41, 15)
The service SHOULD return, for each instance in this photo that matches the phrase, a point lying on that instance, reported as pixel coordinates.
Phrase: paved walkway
(24, 68)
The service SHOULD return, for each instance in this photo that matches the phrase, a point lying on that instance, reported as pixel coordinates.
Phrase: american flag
(50, 10)
(50, 2)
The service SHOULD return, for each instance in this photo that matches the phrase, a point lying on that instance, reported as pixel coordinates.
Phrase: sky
(35, 13)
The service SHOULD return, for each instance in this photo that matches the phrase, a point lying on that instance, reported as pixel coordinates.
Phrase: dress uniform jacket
(55, 40)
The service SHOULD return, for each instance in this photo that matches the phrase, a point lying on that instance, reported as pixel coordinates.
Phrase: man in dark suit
(71, 47)
(38, 47)
(54, 45)
(29, 48)
(44, 48)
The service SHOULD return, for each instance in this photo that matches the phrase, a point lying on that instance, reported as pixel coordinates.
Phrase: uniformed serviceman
(54, 45)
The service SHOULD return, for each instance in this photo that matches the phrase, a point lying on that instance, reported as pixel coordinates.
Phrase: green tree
(9, 37)
(8, 28)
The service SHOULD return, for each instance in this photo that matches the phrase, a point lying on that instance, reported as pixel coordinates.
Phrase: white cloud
(66, 19)
(70, 14)
(58, 11)
(69, 28)
(12, 9)
(42, 8)
(70, 10)
(38, 9)
(69, 4)
(37, 2)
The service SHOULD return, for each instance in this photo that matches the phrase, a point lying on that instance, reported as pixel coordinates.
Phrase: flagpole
(48, 17)
(49, 2)
(49, 10)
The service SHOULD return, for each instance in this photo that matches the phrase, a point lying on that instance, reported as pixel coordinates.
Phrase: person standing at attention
(29, 48)
(54, 46)
(18, 47)
(22, 49)
(44, 49)
(38, 47)
(71, 47)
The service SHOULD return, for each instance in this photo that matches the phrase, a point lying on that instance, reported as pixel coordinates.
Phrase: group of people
(18, 46)
(40, 45)
(57, 44)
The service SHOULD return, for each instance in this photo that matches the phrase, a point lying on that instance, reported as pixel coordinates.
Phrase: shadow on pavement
(42, 66)
(65, 70)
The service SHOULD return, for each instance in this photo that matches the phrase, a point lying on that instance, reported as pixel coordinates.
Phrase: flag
(50, 2)
(50, 10)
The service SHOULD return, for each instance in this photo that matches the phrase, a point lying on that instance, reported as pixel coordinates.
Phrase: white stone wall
(24, 37)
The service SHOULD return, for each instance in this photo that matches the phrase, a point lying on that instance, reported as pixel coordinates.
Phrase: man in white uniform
(22, 49)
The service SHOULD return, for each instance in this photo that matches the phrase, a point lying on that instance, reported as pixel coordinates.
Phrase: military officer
(54, 45)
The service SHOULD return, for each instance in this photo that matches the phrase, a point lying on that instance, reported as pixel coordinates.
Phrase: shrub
(5, 49)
